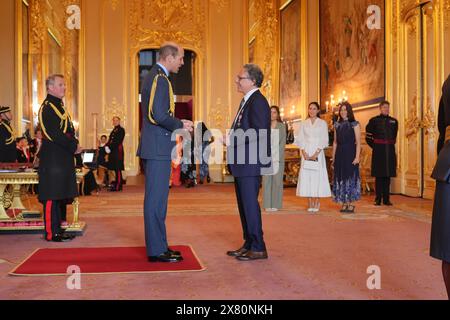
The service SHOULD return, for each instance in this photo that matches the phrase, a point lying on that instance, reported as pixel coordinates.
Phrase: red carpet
(48, 262)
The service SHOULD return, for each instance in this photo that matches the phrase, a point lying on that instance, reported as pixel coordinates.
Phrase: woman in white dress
(312, 139)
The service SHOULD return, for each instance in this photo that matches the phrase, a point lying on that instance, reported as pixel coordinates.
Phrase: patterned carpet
(321, 256)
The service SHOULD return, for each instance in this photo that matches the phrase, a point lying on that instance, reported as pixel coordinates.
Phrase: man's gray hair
(51, 79)
(255, 74)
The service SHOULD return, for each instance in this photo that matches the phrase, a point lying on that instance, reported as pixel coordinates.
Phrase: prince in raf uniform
(155, 149)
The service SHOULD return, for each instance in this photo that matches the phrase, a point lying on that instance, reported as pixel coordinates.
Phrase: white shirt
(246, 97)
(249, 94)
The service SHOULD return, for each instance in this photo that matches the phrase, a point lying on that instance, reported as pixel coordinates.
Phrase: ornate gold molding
(413, 123)
(114, 4)
(37, 27)
(50, 17)
(114, 109)
(410, 14)
(446, 9)
(394, 26)
(220, 4)
(70, 53)
(217, 118)
(265, 30)
(153, 22)
(428, 122)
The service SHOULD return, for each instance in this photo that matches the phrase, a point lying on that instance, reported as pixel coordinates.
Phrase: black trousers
(383, 188)
(52, 217)
(119, 181)
(247, 191)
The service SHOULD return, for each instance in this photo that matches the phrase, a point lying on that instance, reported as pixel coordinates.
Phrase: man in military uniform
(440, 228)
(57, 179)
(8, 151)
(116, 156)
(155, 149)
(381, 136)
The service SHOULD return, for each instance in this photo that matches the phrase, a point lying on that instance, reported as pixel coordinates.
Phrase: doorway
(182, 83)
(421, 87)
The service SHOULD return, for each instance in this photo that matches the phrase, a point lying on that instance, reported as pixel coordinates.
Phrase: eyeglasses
(238, 78)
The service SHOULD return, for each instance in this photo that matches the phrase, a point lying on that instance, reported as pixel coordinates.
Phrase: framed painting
(352, 52)
(290, 58)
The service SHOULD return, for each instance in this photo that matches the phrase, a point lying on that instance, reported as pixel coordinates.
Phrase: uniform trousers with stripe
(52, 217)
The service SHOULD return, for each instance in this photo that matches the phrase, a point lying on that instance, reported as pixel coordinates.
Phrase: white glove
(108, 150)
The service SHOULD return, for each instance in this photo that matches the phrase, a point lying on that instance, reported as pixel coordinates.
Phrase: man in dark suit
(155, 149)
(116, 155)
(57, 179)
(248, 155)
(381, 136)
(8, 152)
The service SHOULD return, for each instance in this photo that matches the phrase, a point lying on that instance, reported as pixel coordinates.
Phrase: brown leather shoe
(253, 255)
(237, 253)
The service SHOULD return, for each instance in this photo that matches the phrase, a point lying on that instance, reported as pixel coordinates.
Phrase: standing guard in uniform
(116, 156)
(440, 228)
(57, 178)
(8, 151)
(381, 136)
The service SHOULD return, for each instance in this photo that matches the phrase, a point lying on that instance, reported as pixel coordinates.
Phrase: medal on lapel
(239, 120)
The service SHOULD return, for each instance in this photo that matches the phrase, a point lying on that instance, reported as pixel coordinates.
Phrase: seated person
(23, 151)
(36, 143)
(87, 161)
(102, 159)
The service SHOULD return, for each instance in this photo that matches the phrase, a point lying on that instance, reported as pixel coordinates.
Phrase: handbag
(311, 165)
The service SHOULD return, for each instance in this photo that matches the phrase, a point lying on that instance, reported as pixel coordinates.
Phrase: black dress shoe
(64, 237)
(377, 202)
(165, 257)
(237, 253)
(390, 204)
(253, 255)
(173, 253)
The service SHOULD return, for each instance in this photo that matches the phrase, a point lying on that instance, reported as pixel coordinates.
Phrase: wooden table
(12, 200)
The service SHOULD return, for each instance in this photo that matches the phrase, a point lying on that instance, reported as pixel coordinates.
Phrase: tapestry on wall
(352, 51)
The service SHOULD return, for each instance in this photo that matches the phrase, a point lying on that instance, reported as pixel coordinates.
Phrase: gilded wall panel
(48, 31)
(151, 22)
(264, 29)
(446, 9)
(113, 46)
